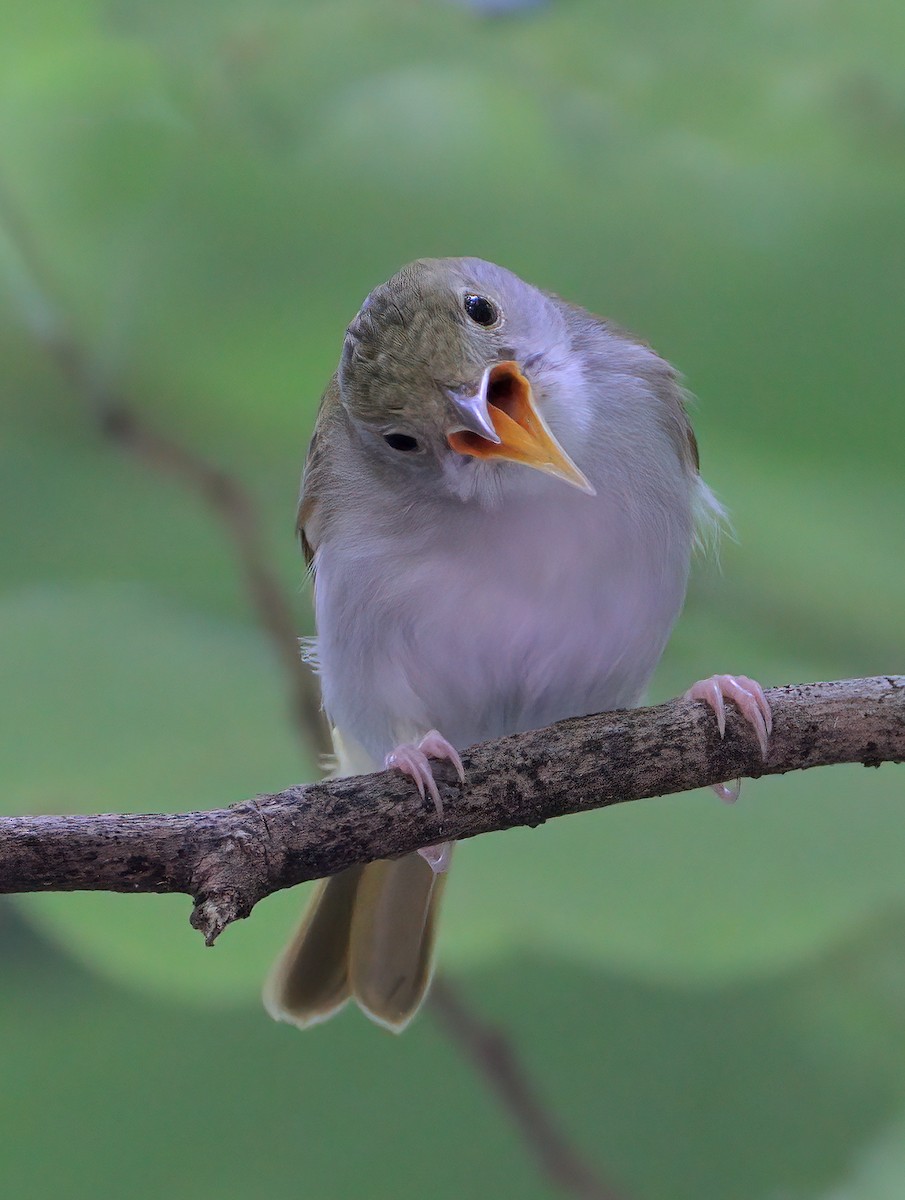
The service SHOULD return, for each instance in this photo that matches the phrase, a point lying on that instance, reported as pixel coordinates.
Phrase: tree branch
(228, 859)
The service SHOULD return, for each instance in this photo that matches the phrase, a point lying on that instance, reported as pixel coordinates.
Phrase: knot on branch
(212, 914)
(233, 875)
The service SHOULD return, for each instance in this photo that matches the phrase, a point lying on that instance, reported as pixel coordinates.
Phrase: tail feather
(310, 979)
(392, 939)
(368, 934)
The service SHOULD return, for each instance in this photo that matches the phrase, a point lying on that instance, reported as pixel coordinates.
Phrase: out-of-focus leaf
(115, 700)
(879, 1171)
(738, 1097)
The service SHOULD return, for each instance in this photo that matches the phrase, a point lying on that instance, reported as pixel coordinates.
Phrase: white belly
(504, 621)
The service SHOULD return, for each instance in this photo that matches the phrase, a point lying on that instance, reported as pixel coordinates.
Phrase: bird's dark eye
(400, 441)
(480, 309)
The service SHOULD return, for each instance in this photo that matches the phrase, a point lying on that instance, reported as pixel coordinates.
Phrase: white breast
(485, 622)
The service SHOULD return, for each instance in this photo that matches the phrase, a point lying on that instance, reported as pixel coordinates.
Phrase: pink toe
(412, 761)
(748, 697)
(436, 745)
(728, 792)
(438, 857)
(745, 694)
(761, 700)
(402, 759)
(709, 691)
(431, 784)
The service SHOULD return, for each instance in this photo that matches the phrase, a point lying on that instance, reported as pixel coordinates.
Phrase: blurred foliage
(711, 997)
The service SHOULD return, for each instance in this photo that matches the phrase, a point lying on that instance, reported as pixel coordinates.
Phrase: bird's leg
(414, 760)
(748, 697)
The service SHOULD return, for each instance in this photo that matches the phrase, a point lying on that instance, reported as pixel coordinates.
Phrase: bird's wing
(594, 335)
(311, 506)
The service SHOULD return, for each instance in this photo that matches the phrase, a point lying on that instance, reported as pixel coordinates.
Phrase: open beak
(503, 422)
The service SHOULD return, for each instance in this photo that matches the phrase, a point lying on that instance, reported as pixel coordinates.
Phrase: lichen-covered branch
(228, 859)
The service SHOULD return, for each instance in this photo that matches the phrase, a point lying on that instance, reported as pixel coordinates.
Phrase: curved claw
(412, 760)
(435, 745)
(748, 697)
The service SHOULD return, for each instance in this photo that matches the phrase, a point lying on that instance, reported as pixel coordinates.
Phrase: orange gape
(524, 437)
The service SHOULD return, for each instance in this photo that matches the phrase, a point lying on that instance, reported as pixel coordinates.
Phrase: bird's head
(449, 373)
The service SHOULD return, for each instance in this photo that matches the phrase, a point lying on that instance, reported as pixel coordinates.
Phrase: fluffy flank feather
(711, 521)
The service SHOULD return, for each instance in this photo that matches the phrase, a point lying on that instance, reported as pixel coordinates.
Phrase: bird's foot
(438, 857)
(414, 760)
(748, 697)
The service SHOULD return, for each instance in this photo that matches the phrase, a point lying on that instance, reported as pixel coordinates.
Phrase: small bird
(499, 506)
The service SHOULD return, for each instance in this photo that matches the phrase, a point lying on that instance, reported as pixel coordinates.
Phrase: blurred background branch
(119, 419)
(493, 1056)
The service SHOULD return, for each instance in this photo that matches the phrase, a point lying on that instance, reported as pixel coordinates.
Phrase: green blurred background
(712, 999)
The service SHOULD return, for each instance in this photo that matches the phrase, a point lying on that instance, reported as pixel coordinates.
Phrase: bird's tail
(368, 935)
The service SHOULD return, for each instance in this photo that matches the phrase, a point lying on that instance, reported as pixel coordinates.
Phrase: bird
(499, 506)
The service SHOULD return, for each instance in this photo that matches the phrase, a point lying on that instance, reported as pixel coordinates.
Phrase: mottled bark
(228, 859)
